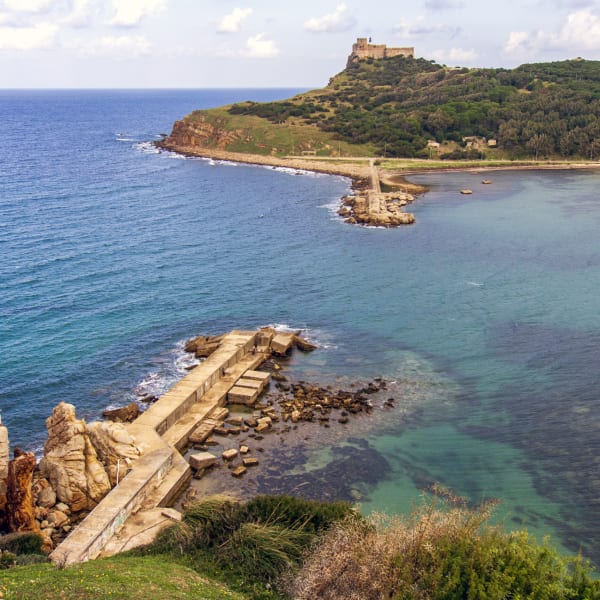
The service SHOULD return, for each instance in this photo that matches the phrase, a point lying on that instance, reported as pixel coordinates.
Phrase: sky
(269, 43)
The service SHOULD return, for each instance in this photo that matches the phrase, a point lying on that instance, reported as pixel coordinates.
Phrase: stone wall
(363, 49)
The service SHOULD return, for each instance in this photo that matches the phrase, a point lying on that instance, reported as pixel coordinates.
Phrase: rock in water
(70, 461)
(125, 414)
(20, 512)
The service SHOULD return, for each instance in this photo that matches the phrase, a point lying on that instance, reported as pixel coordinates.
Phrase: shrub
(176, 539)
(447, 552)
(31, 559)
(264, 551)
(313, 516)
(22, 543)
(213, 519)
(7, 559)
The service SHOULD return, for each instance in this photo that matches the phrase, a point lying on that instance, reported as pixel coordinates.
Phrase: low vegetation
(286, 547)
(395, 106)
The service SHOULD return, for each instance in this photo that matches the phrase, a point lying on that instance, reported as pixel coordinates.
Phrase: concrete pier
(194, 406)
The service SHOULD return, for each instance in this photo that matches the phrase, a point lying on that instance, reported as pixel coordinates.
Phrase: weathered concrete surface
(141, 529)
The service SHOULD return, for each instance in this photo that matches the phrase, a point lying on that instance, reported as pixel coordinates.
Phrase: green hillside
(393, 106)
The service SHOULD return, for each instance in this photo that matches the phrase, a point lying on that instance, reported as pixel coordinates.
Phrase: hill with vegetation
(393, 107)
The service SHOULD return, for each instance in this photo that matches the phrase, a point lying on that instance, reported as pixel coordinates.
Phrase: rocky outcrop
(125, 414)
(20, 510)
(203, 346)
(115, 447)
(377, 209)
(71, 463)
(199, 132)
(4, 460)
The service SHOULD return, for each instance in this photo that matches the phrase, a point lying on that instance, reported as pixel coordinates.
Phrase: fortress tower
(364, 49)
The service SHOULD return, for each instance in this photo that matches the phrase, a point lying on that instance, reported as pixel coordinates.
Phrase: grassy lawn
(124, 577)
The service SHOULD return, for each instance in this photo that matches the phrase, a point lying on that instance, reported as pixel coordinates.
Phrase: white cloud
(582, 29)
(231, 23)
(28, 38)
(120, 47)
(259, 46)
(579, 33)
(420, 28)
(518, 41)
(455, 56)
(339, 20)
(129, 13)
(28, 6)
(82, 12)
(443, 4)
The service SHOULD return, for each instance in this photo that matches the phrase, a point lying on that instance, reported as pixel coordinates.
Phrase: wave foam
(146, 148)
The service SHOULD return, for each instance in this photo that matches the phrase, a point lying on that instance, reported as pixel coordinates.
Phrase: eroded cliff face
(200, 133)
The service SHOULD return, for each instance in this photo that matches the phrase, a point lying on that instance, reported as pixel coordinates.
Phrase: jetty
(376, 208)
(137, 507)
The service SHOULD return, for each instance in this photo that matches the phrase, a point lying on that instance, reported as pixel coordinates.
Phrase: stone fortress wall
(364, 49)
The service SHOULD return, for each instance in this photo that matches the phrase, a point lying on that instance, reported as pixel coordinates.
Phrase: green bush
(22, 543)
(313, 516)
(31, 559)
(264, 551)
(447, 552)
(213, 519)
(7, 559)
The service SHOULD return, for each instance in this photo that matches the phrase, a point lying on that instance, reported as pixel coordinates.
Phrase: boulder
(115, 447)
(303, 344)
(125, 414)
(20, 511)
(70, 461)
(44, 495)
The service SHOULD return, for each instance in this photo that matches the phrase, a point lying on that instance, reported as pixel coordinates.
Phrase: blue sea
(485, 314)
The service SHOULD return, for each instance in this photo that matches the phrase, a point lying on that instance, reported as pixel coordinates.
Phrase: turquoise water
(485, 313)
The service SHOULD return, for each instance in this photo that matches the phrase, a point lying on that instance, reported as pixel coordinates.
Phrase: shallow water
(485, 312)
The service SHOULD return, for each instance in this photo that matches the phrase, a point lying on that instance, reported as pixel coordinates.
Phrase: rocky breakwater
(377, 209)
(81, 464)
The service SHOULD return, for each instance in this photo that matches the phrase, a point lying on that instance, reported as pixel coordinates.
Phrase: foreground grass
(121, 577)
(281, 547)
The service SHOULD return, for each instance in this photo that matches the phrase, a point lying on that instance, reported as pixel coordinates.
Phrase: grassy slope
(260, 136)
(124, 577)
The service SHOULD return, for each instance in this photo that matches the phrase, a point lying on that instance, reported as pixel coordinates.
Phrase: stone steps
(178, 434)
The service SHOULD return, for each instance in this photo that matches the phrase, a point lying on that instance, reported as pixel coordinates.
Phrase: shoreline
(352, 168)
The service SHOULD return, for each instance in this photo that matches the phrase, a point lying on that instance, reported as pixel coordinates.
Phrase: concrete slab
(202, 460)
(253, 384)
(242, 395)
(282, 342)
(258, 375)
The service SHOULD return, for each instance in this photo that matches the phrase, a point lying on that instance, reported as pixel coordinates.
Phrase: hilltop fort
(364, 49)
